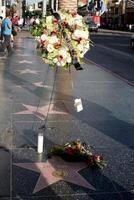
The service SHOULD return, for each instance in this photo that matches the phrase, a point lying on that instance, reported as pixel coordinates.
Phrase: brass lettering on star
(60, 173)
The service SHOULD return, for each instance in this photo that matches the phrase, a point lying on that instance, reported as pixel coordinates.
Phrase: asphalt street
(111, 51)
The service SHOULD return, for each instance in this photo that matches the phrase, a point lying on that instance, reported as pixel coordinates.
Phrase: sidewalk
(29, 89)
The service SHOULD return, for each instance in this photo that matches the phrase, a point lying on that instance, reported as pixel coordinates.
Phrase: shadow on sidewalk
(101, 119)
(93, 114)
(104, 121)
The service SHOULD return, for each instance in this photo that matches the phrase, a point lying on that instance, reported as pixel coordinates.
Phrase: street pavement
(111, 51)
(32, 94)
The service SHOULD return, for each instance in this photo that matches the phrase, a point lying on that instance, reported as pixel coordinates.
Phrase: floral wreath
(76, 151)
(53, 45)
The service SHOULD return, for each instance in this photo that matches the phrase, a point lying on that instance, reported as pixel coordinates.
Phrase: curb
(109, 71)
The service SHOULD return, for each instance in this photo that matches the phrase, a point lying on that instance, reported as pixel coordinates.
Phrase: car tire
(132, 44)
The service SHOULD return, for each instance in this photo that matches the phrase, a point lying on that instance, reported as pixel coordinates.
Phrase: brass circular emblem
(60, 173)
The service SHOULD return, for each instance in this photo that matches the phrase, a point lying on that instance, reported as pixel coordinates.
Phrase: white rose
(76, 34)
(37, 38)
(69, 59)
(80, 47)
(63, 51)
(63, 62)
(80, 55)
(70, 21)
(43, 37)
(78, 20)
(49, 19)
(62, 16)
(53, 39)
(85, 35)
(80, 34)
(58, 64)
(79, 23)
(55, 60)
(50, 48)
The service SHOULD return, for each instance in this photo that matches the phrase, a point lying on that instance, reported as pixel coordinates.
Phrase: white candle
(78, 105)
(40, 142)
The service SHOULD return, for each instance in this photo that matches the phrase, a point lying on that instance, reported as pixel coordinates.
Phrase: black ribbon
(68, 42)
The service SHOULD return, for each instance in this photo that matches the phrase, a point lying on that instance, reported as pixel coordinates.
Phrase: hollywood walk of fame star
(40, 112)
(25, 61)
(28, 71)
(56, 169)
(41, 85)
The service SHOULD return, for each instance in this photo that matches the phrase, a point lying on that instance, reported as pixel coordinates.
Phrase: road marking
(113, 32)
(116, 51)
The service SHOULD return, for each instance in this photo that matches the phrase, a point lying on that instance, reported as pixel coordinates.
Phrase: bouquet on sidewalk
(78, 152)
(52, 44)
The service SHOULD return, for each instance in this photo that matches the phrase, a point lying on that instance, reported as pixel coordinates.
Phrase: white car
(132, 42)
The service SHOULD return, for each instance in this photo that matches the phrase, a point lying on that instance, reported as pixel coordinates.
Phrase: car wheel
(132, 44)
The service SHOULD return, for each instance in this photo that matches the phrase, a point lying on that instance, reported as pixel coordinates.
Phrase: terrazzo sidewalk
(32, 94)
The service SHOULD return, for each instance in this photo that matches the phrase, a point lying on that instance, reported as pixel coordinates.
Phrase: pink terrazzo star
(40, 112)
(28, 71)
(56, 169)
(41, 85)
(25, 61)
